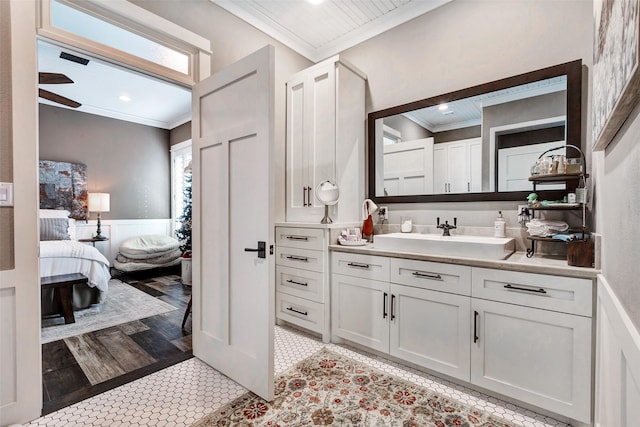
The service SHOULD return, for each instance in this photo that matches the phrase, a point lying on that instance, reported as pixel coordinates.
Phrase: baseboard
(617, 362)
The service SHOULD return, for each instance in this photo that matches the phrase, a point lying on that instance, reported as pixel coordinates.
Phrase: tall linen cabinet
(325, 140)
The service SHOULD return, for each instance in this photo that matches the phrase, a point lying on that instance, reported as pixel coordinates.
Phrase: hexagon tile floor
(186, 392)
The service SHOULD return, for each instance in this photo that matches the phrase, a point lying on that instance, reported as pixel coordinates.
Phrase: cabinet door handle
(475, 326)
(304, 313)
(304, 197)
(518, 288)
(357, 265)
(305, 238)
(297, 283)
(468, 187)
(298, 258)
(427, 275)
(393, 306)
(384, 305)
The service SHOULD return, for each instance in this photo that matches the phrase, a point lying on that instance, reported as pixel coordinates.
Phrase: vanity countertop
(517, 261)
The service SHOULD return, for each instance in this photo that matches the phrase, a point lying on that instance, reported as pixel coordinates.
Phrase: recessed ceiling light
(443, 107)
(315, 1)
(124, 98)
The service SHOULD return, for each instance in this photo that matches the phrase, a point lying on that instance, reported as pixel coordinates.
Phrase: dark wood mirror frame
(573, 71)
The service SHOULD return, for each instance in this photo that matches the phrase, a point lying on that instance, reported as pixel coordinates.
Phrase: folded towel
(545, 228)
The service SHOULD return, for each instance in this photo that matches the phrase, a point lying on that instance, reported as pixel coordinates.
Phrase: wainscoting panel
(119, 230)
(9, 388)
(617, 363)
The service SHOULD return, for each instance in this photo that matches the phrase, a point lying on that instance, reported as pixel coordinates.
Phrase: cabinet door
(320, 129)
(458, 167)
(431, 329)
(536, 356)
(475, 166)
(297, 167)
(360, 311)
(440, 161)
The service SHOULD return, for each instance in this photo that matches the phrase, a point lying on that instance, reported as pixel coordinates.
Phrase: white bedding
(70, 256)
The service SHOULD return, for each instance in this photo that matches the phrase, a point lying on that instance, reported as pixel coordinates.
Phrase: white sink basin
(433, 244)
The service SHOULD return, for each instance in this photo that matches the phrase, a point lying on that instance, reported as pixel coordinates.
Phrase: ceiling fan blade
(54, 97)
(53, 78)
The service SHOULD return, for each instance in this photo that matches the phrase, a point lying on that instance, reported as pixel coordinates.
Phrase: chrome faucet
(446, 226)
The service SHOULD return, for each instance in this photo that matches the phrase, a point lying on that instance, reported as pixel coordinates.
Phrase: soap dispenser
(499, 226)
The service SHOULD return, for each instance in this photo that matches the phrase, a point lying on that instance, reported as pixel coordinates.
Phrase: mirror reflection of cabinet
(325, 134)
(457, 166)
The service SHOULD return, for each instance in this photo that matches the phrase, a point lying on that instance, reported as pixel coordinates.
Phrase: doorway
(128, 157)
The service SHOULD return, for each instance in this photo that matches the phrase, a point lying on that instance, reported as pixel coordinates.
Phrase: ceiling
(319, 31)
(98, 86)
(316, 31)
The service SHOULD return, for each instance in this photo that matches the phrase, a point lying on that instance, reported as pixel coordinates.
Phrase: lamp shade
(99, 202)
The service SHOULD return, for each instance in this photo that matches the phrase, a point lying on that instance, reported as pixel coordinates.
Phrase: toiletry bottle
(499, 226)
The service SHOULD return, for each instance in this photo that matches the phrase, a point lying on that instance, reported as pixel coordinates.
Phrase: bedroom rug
(123, 304)
(331, 389)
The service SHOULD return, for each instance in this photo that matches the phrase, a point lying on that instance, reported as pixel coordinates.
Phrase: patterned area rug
(330, 389)
(123, 304)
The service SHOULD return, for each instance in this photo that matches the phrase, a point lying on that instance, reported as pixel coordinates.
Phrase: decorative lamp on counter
(99, 202)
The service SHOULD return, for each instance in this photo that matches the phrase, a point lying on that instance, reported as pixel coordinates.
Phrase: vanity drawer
(304, 238)
(300, 283)
(300, 311)
(300, 258)
(556, 293)
(451, 278)
(357, 265)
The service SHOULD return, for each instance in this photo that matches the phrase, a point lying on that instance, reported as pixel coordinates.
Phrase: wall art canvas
(63, 185)
(616, 71)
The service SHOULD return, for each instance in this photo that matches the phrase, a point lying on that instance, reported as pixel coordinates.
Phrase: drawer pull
(427, 275)
(304, 313)
(518, 288)
(298, 258)
(393, 306)
(357, 265)
(305, 238)
(384, 305)
(475, 326)
(297, 283)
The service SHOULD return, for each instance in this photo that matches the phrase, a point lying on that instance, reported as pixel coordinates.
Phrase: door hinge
(270, 249)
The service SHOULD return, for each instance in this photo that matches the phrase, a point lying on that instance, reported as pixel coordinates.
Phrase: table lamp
(99, 202)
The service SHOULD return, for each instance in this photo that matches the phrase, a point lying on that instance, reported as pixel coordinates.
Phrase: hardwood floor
(82, 366)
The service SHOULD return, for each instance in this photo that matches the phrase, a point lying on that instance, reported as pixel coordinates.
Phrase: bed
(60, 253)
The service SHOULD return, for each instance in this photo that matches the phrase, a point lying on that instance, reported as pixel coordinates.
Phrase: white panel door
(360, 311)
(458, 168)
(538, 356)
(233, 290)
(431, 329)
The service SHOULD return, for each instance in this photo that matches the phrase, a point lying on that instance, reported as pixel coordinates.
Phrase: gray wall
(462, 44)
(619, 212)
(6, 137)
(409, 129)
(180, 134)
(127, 160)
(233, 39)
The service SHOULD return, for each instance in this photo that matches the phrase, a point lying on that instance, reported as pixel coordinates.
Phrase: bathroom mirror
(477, 143)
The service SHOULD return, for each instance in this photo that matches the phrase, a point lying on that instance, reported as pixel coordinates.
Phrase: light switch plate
(6, 193)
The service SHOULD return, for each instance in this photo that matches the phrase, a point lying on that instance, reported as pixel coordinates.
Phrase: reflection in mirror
(479, 141)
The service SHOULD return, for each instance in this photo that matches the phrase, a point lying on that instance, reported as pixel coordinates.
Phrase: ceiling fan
(54, 79)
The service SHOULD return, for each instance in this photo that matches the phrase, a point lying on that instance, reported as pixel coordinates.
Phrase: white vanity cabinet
(325, 140)
(301, 279)
(412, 319)
(524, 336)
(457, 166)
(532, 339)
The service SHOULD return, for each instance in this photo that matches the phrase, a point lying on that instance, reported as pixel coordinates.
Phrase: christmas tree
(184, 232)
